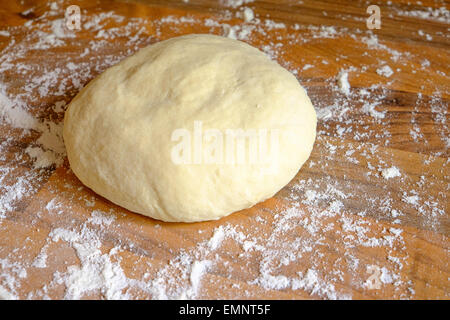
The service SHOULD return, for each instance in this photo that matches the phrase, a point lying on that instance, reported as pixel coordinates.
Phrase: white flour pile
(312, 242)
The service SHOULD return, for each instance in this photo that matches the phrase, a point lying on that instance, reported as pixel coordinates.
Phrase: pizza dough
(190, 129)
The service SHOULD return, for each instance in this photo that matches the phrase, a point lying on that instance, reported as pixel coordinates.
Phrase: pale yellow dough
(118, 129)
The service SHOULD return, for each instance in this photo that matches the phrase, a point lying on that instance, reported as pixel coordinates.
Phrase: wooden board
(345, 227)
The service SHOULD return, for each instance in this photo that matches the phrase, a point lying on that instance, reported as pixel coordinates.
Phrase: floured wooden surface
(367, 216)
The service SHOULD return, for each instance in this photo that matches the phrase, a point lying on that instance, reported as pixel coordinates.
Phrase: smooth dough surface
(119, 129)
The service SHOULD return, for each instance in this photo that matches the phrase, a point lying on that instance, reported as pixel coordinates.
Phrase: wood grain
(414, 98)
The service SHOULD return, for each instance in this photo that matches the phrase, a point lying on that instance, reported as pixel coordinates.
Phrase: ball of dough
(190, 129)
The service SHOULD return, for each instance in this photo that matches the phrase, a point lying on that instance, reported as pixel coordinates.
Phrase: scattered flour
(6, 295)
(247, 14)
(436, 14)
(391, 172)
(198, 270)
(235, 3)
(217, 238)
(385, 71)
(344, 85)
